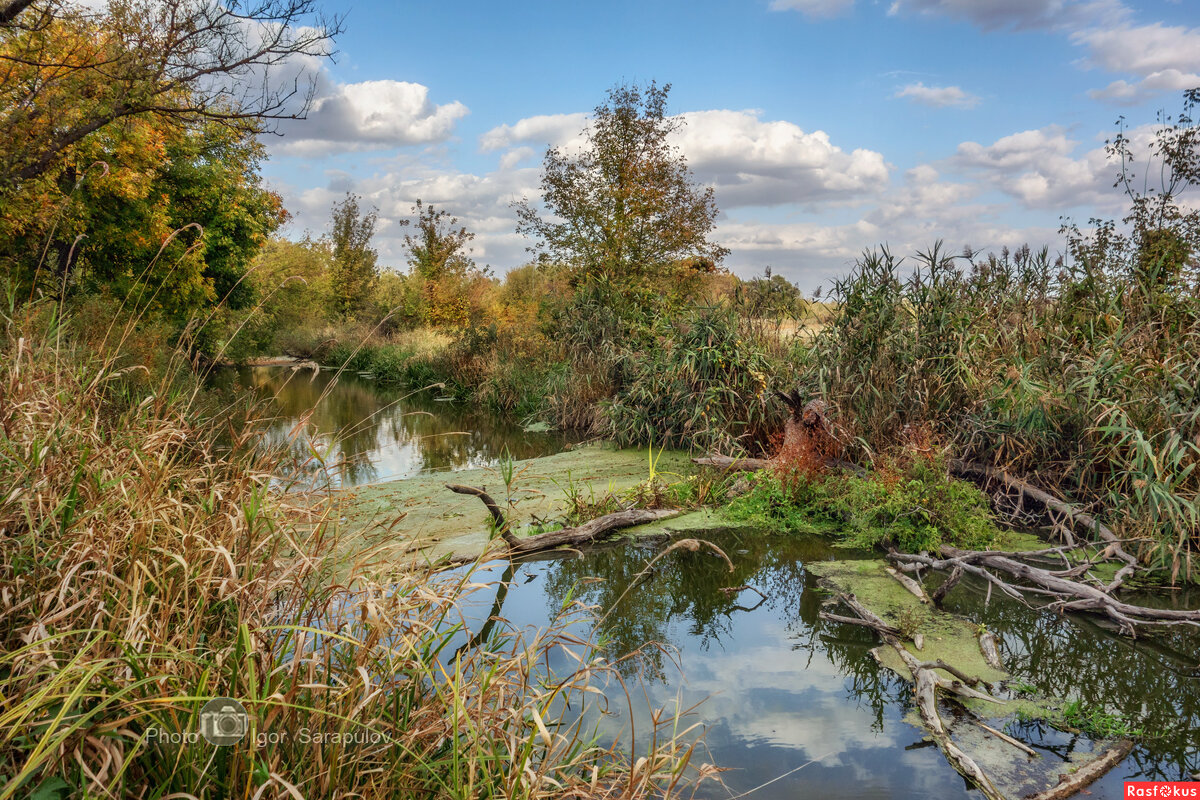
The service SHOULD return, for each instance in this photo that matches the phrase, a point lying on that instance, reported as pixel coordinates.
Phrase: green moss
(946, 636)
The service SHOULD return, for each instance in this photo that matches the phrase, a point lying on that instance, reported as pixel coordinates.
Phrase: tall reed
(147, 566)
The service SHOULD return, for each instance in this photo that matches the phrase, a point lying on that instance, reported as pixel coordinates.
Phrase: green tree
(353, 272)
(442, 268)
(626, 207)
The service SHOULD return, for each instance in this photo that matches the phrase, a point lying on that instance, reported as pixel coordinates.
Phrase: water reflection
(354, 431)
(782, 688)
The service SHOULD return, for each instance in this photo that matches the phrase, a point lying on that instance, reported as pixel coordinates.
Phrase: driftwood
(989, 650)
(1004, 737)
(939, 594)
(927, 682)
(1069, 595)
(579, 534)
(733, 464)
(1086, 775)
(1051, 503)
(908, 583)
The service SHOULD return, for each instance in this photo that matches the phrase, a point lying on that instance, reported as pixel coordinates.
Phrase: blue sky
(825, 126)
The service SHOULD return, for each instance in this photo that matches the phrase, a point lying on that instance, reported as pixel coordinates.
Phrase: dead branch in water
(927, 682)
(1086, 775)
(579, 534)
(968, 469)
(1069, 595)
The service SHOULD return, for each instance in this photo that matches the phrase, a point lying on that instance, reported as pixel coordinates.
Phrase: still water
(780, 689)
(350, 430)
(788, 700)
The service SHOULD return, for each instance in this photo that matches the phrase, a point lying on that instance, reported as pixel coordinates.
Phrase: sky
(825, 127)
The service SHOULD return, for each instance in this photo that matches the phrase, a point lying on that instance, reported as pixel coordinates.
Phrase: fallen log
(731, 464)
(963, 468)
(939, 594)
(989, 650)
(908, 583)
(1004, 737)
(1069, 595)
(926, 682)
(579, 534)
(1086, 775)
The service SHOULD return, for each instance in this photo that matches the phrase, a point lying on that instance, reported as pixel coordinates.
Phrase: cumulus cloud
(748, 160)
(814, 8)
(1123, 92)
(552, 130)
(1039, 169)
(370, 115)
(752, 162)
(1160, 58)
(938, 96)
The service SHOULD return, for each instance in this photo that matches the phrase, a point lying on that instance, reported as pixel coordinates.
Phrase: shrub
(705, 384)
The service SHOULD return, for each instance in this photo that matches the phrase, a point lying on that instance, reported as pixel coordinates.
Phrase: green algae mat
(417, 520)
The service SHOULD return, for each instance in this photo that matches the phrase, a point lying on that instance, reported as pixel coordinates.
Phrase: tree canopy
(626, 205)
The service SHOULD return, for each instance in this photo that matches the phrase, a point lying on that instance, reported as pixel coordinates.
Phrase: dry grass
(145, 570)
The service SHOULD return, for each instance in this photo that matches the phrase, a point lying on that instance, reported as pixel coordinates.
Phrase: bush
(911, 504)
(704, 384)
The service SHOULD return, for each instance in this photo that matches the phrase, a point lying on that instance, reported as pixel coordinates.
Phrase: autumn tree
(353, 269)
(442, 272)
(129, 144)
(68, 72)
(626, 206)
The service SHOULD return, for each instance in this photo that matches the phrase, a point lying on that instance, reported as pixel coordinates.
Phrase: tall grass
(1081, 375)
(146, 567)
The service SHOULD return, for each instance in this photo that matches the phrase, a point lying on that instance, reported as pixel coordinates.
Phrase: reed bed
(147, 566)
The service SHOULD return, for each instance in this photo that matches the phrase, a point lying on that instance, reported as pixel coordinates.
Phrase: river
(787, 699)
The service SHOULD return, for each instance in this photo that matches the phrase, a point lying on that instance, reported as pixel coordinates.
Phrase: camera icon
(223, 721)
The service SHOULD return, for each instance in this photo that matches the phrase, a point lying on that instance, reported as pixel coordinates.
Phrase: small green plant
(1097, 722)
(914, 507)
(909, 621)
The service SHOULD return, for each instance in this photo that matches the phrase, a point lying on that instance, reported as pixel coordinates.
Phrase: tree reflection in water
(1155, 680)
(352, 431)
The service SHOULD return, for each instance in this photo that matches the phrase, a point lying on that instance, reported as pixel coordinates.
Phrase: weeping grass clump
(147, 567)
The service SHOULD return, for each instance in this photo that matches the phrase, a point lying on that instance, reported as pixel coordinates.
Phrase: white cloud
(814, 8)
(1143, 49)
(1039, 169)
(370, 115)
(1161, 58)
(938, 96)
(752, 162)
(747, 160)
(1123, 92)
(553, 130)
